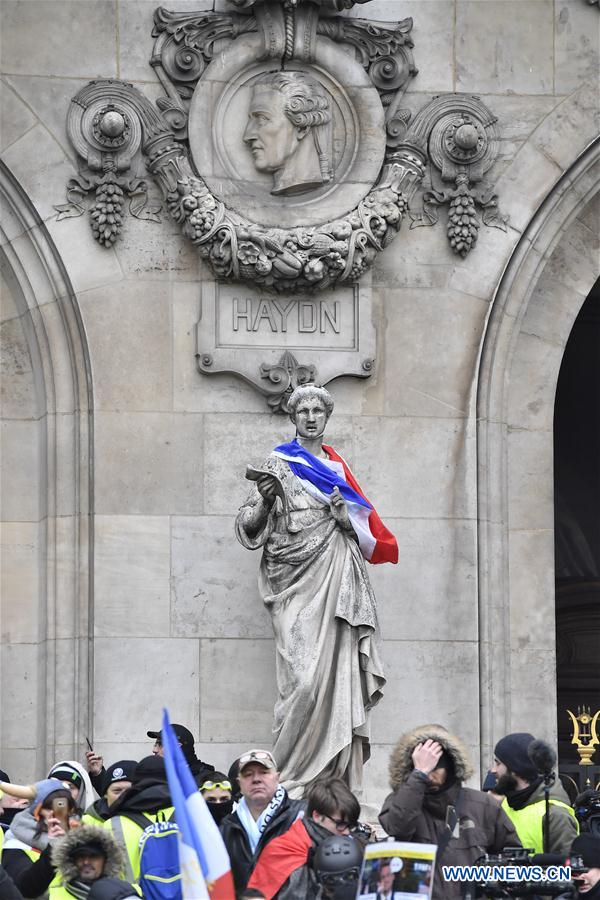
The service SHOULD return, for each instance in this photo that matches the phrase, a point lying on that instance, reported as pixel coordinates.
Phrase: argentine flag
(205, 866)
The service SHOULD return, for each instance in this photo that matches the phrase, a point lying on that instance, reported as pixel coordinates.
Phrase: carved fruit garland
(294, 259)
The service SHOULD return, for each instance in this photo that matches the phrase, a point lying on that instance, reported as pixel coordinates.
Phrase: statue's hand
(339, 510)
(267, 486)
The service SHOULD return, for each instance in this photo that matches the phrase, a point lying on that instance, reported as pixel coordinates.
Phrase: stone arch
(542, 289)
(47, 630)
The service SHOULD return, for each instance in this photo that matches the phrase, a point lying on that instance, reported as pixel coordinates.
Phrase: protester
(72, 773)
(264, 812)
(47, 818)
(199, 769)
(429, 804)
(9, 807)
(523, 790)
(116, 780)
(83, 857)
(217, 792)
(283, 869)
(147, 800)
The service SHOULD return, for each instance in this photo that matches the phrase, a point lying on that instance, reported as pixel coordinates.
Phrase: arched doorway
(544, 286)
(577, 544)
(47, 465)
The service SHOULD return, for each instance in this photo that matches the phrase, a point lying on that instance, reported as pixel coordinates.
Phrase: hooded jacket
(414, 813)
(62, 850)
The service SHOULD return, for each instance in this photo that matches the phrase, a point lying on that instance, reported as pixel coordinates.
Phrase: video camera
(587, 812)
(543, 864)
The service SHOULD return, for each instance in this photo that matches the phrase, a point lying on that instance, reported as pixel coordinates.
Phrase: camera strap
(452, 821)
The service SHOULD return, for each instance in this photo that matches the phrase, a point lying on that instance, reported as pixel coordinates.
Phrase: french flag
(319, 477)
(204, 862)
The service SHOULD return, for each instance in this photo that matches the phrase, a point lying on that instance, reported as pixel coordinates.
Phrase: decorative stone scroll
(462, 147)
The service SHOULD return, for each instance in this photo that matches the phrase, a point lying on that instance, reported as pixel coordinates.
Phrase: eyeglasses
(340, 824)
(211, 785)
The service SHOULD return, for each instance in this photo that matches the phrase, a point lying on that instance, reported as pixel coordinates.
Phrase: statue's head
(284, 132)
(310, 407)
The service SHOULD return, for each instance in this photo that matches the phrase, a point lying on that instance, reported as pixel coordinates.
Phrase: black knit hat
(150, 767)
(122, 770)
(588, 847)
(512, 752)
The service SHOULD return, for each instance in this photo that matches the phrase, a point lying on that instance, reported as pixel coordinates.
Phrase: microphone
(542, 756)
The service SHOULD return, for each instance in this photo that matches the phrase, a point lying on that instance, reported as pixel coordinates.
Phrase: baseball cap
(262, 757)
(183, 734)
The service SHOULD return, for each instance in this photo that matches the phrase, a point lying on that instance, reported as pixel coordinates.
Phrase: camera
(587, 812)
(545, 866)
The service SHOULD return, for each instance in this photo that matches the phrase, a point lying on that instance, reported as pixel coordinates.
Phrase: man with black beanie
(148, 800)
(524, 803)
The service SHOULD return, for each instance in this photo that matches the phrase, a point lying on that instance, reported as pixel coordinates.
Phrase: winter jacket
(238, 845)
(67, 871)
(8, 889)
(529, 821)
(414, 813)
(31, 870)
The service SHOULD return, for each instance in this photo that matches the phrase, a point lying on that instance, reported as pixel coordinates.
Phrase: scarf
(78, 889)
(254, 828)
(519, 799)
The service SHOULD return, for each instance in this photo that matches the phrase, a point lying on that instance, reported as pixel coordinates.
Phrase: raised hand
(94, 762)
(426, 756)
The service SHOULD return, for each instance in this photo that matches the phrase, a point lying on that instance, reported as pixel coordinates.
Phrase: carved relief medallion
(298, 145)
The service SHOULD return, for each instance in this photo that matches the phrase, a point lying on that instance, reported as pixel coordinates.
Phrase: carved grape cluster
(106, 212)
(463, 225)
(296, 259)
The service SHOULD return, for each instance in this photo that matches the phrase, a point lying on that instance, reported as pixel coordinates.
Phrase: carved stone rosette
(462, 148)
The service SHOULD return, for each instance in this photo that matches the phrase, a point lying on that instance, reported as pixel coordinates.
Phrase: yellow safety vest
(528, 821)
(127, 834)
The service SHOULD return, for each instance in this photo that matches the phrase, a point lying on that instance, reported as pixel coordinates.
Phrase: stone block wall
(176, 616)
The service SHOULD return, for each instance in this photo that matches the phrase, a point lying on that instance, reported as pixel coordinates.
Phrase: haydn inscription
(248, 332)
(286, 322)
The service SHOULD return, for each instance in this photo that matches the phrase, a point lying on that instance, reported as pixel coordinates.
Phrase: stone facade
(124, 589)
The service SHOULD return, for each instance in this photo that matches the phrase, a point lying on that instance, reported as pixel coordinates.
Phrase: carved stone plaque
(276, 342)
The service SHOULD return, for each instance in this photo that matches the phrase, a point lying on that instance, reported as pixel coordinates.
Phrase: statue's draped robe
(329, 673)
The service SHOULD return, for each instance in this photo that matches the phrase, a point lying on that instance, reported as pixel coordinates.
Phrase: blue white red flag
(319, 477)
(205, 865)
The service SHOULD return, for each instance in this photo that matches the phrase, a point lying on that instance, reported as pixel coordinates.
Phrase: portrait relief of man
(289, 131)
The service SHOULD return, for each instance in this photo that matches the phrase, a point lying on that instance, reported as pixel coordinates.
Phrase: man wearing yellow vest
(148, 800)
(522, 785)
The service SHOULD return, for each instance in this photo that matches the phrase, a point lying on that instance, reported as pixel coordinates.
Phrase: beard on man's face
(506, 784)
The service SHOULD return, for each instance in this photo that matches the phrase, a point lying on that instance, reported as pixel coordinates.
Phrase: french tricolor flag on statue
(203, 858)
(319, 477)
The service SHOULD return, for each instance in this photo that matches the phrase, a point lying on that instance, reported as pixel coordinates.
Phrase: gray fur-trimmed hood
(62, 849)
(401, 764)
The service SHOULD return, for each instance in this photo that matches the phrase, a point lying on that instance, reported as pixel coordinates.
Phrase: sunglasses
(210, 785)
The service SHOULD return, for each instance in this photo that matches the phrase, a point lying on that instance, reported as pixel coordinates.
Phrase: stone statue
(316, 529)
(288, 131)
